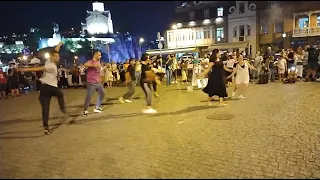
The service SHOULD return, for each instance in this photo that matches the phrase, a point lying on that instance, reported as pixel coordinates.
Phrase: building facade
(198, 24)
(98, 21)
(242, 27)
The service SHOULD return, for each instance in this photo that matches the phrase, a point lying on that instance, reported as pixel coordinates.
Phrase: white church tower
(98, 21)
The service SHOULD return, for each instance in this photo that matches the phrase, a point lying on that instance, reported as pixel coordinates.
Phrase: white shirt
(49, 76)
(257, 61)
(81, 69)
(230, 63)
(102, 72)
(282, 64)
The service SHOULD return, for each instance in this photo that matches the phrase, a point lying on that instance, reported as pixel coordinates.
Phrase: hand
(61, 43)
(228, 77)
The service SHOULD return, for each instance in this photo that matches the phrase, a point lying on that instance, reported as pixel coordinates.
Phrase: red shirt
(3, 79)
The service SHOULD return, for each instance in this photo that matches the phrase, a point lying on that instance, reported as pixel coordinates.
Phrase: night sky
(141, 18)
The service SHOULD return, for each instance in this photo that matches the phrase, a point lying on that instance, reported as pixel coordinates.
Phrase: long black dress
(216, 81)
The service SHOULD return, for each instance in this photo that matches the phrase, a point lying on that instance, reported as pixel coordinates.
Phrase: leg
(244, 90)
(168, 77)
(209, 101)
(45, 98)
(221, 103)
(59, 95)
(101, 93)
(132, 90)
(90, 91)
(148, 93)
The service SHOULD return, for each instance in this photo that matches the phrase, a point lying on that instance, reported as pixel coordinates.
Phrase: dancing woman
(242, 78)
(147, 77)
(216, 78)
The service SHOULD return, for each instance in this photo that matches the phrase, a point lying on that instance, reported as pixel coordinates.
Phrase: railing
(310, 31)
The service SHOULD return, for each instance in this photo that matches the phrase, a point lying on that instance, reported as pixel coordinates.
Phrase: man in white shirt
(49, 86)
(257, 64)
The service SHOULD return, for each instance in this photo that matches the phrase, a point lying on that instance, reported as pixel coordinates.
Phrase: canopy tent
(233, 45)
(171, 51)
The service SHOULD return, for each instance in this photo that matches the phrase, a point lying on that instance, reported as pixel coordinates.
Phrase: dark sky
(143, 18)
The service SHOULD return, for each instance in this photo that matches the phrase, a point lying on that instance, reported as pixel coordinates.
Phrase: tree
(70, 45)
(85, 48)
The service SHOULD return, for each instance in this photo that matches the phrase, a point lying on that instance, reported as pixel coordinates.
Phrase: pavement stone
(274, 134)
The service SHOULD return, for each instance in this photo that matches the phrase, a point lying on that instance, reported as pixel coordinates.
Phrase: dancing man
(49, 86)
(94, 83)
(130, 81)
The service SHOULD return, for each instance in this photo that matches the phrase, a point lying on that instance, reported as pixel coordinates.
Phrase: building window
(271, 4)
(278, 27)
(235, 29)
(220, 33)
(198, 36)
(303, 22)
(220, 11)
(170, 38)
(191, 16)
(264, 27)
(241, 30)
(248, 30)
(205, 33)
(318, 21)
(241, 8)
(206, 14)
(209, 36)
(192, 36)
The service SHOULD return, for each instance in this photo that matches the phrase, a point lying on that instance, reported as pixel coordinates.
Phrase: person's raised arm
(34, 69)
(57, 48)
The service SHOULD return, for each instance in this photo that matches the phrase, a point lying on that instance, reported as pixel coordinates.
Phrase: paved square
(273, 133)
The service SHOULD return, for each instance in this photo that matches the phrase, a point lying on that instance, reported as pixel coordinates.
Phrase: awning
(233, 45)
(169, 51)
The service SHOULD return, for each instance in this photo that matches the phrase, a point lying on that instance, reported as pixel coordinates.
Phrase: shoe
(156, 94)
(149, 111)
(127, 101)
(121, 100)
(85, 113)
(241, 97)
(97, 110)
(46, 131)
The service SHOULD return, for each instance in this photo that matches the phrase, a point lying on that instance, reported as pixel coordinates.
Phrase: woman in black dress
(13, 82)
(216, 78)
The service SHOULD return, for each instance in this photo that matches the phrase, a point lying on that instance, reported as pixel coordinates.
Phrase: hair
(144, 57)
(53, 52)
(95, 51)
(214, 56)
(131, 59)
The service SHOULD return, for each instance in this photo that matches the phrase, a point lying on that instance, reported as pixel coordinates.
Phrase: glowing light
(174, 26)
(206, 21)
(192, 23)
(79, 46)
(179, 25)
(75, 57)
(47, 55)
(284, 35)
(219, 20)
(141, 40)
(95, 28)
(24, 58)
(98, 6)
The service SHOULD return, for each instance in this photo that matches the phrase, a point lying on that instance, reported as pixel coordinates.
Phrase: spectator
(313, 58)
(3, 84)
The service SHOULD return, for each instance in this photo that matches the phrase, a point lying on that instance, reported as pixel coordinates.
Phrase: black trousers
(46, 93)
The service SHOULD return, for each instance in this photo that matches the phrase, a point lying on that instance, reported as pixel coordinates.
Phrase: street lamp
(24, 58)
(141, 40)
(284, 35)
(75, 58)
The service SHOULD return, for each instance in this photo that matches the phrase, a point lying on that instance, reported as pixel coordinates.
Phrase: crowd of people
(221, 69)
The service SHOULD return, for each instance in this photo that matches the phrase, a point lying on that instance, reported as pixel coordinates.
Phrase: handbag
(150, 76)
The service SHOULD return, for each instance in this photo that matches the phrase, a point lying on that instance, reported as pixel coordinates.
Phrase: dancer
(242, 78)
(49, 86)
(147, 76)
(130, 81)
(94, 83)
(216, 78)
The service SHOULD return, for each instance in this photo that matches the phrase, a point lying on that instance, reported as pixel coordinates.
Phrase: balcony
(304, 32)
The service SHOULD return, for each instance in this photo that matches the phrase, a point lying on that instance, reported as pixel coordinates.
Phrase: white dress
(242, 74)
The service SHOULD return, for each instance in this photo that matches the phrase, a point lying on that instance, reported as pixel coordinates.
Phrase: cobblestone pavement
(275, 133)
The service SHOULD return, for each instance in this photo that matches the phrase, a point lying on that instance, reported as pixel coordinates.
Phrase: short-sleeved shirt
(50, 74)
(3, 79)
(93, 74)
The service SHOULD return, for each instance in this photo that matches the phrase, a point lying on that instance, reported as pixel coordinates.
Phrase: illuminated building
(98, 20)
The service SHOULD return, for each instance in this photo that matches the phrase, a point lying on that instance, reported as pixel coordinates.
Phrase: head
(137, 62)
(240, 58)
(127, 61)
(258, 53)
(54, 56)
(60, 66)
(269, 49)
(102, 63)
(215, 55)
(96, 56)
(132, 61)
(112, 62)
(144, 58)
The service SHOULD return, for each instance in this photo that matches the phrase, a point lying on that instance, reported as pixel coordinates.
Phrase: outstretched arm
(41, 68)
(57, 48)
